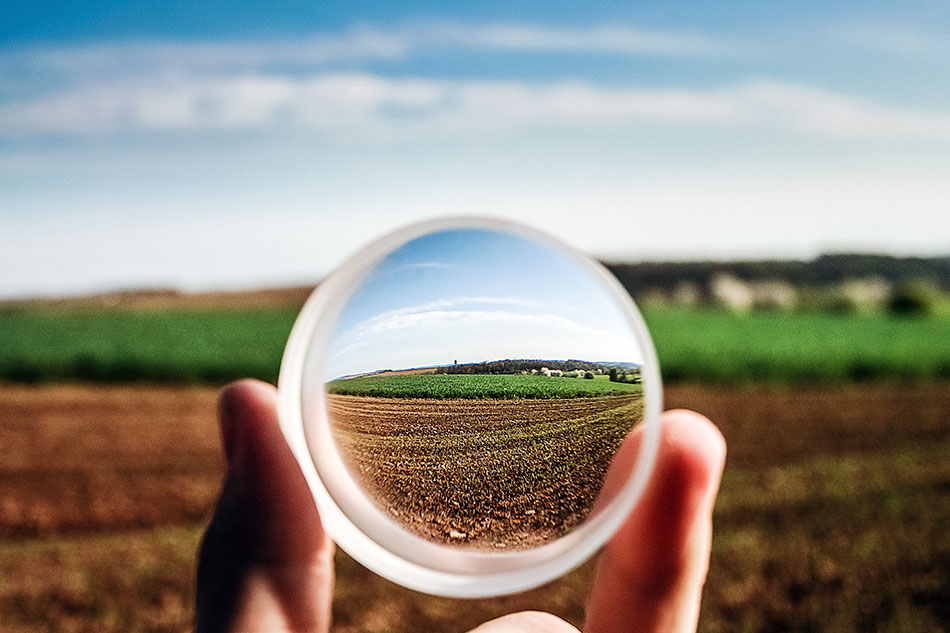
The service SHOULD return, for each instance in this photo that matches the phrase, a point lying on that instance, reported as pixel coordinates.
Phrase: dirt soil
(486, 474)
(92, 457)
(832, 515)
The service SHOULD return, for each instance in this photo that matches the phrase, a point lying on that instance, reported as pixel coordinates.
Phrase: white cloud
(470, 318)
(432, 313)
(421, 336)
(365, 107)
(603, 39)
(358, 45)
(130, 57)
(889, 38)
(797, 108)
(205, 86)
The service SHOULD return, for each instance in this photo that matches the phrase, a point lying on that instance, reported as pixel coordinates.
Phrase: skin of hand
(265, 563)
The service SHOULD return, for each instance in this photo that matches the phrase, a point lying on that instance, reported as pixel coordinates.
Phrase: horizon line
(97, 293)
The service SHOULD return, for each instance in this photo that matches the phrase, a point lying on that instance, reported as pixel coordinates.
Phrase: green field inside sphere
(478, 386)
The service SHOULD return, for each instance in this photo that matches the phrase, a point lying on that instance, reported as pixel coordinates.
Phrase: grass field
(816, 348)
(832, 517)
(475, 386)
(212, 346)
(183, 346)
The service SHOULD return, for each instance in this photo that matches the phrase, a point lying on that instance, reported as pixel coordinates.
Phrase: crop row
(514, 485)
(475, 386)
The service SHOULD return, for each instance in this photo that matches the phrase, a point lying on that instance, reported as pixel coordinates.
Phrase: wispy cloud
(315, 86)
(421, 321)
(477, 327)
(431, 312)
(371, 108)
(360, 44)
(433, 336)
(424, 266)
(890, 39)
(804, 109)
(603, 39)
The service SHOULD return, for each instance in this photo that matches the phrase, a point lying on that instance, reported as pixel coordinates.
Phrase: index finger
(651, 574)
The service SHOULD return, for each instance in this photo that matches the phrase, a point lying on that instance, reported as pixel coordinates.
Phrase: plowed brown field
(832, 516)
(77, 457)
(497, 474)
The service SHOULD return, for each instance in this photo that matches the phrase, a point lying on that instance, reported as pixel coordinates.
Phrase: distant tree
(613, 374)
(640, 279)
(633, 376)
(916, 298)
(516, 366)
(589, 375)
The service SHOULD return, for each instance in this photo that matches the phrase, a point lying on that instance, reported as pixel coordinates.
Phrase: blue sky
(210, 145)
(476, 295)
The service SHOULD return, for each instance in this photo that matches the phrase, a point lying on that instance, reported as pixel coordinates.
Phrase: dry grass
(833, 514)
(834, 509)
(110, 580)
(171, 299)
(92, 458)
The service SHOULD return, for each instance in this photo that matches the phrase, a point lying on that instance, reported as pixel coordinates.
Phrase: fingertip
(689, 467)
(694, 446)
(240, 403)
(246, 392)
(653, 542)
(652, 571)
(265, 475)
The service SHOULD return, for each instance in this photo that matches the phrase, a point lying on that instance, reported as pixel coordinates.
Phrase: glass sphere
(473, 404)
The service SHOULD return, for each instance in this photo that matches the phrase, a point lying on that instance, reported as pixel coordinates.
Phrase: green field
(213, 346)
(817, 348)
(476, 386)
(185, 346)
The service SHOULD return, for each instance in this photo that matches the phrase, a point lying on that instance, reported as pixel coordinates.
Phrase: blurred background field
(708, 344)
(831, 320)
(832, 515)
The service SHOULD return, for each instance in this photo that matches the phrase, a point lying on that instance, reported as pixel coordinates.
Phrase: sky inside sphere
(474, 295)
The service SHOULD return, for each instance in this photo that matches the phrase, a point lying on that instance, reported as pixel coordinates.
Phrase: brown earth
(80, 457)
(832, 516)
(172, 299)
(488, 474)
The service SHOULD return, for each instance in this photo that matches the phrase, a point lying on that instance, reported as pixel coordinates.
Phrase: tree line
(821, 271)
(516, 366)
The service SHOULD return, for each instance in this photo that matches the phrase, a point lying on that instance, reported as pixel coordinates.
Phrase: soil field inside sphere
(489, 474)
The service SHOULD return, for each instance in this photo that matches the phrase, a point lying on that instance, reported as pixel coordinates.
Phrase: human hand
(266, 564)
